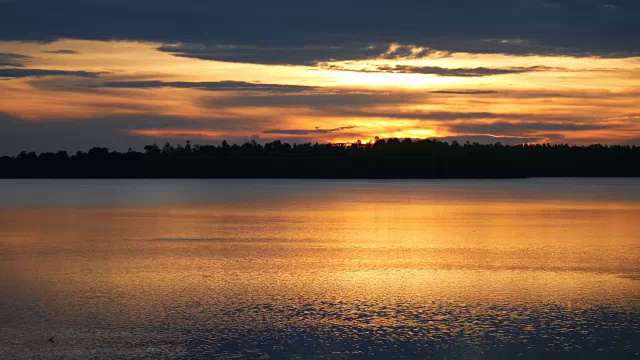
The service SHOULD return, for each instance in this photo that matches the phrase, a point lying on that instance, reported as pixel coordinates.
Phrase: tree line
(392, 158)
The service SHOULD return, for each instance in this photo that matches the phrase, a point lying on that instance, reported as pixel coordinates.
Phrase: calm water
(279, 269)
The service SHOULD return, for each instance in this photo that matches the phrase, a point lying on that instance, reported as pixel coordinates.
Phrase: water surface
(282, 269)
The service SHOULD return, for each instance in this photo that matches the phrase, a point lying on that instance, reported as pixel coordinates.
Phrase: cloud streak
(29, 73)
(303, 33)
(116, 132)
(15, 60)
(519, 128)
(207, 85)
(457, 72)
(308, 55)
(465, 92)
(62, 52)
(306, 131)
(320, 99)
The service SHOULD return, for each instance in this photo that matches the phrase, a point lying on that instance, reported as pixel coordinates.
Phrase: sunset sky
(124, 73)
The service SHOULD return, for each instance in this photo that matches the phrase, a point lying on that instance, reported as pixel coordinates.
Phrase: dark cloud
(519, 128)
(449, 115)
(24, 73)
(207, 85)
(115, 132)
(457, 72)
(424, 115)
(306, 131)
(297, 32)
(377, 105)
(276, 55)
(295, 54)
(62, 51)
(16, 60)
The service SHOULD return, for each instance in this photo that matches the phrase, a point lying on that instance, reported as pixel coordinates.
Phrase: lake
(320, 269)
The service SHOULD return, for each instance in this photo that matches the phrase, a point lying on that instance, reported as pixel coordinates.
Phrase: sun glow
(537, 98)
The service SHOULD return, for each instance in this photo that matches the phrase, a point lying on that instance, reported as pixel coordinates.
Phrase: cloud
(297, 54)
(601, 95)
(306, 131)
(519, 128)
(207, 85)
(385, 105)
(16, 60)
(456, 72)
(448, 116)
(24, 73)
(62, 51)
(321, 98)
(465, 92)
(115, 132)
(423, 115)
(396, 51)
(295, 32)
(276, 55)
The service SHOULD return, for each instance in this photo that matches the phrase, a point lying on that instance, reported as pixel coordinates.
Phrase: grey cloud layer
(114, 132)
(61, 51)
(458, 72)
(319, 99)
(450, 115)
(515, 128)
(17, 60)
(306, 131)
(276, 55)
(465, 92)
(24, 73)
(207, 85)
(300, 32)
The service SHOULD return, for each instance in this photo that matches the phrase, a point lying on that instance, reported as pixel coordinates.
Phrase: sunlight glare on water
(282, 269)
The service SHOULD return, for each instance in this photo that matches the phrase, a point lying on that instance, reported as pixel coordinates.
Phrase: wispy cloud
(465, 92)
(321, 98)
(451, 72)
(335, 29)
(16, 60)
(62, 52)
(207, 85)
(277, 55)
(306, 131)
(512, 128)
(116, 132)
(25, 73)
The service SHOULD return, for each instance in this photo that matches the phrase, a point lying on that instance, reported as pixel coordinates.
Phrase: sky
(125, 73)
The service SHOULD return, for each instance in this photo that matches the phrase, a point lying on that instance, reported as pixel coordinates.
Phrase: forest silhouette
(392, 158)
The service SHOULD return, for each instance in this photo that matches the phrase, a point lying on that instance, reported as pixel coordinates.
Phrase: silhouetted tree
(152, 150)
(381, 159)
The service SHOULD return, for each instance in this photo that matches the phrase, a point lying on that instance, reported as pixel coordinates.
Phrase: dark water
(278, 269)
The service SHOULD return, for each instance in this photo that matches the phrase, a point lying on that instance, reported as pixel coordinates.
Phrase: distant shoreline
(384, 159)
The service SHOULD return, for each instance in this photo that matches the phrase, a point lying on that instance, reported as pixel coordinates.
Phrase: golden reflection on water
(429, 267)
(376, 246)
